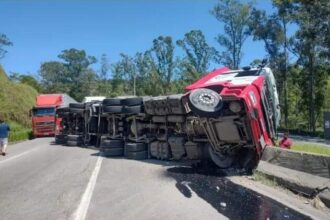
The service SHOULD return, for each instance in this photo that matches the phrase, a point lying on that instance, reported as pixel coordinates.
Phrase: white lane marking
(17, 156)
(81, 212)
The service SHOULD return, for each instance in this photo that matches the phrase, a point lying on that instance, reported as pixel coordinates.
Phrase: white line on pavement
(17, 156)
(81, 212)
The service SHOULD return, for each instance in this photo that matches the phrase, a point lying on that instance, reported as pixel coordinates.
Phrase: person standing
(285, 143)
(4, 131)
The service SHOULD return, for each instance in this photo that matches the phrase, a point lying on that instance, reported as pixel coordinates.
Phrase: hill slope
(16, 100)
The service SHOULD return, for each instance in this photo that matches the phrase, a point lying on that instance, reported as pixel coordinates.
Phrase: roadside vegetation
(311, 148)
(16, 100)
(19, 132)
(261, 177)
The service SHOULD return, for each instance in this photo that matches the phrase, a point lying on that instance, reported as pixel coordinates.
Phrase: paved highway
(40, 180)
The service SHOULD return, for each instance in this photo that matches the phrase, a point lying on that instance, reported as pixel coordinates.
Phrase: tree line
(295, 35)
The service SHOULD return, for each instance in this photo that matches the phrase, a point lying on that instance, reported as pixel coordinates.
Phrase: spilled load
(227, 117)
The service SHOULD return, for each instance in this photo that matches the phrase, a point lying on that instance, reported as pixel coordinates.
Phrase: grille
(44, 123)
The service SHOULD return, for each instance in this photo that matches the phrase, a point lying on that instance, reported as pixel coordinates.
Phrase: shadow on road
(229, 199)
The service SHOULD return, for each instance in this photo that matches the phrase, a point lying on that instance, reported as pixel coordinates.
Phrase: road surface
(40, 180)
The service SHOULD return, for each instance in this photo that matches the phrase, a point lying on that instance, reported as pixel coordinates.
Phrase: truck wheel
(73, 143)
(132, 101)
(112, 109)
(77, 105)
(205, 102)
(112, 102)
(134, 147)
(110, 152)
(60, 139)
(141, 155)
(133, 109)
(72, 137)
(248, 159)
(77, 110)
(112, 144)
(221, 160)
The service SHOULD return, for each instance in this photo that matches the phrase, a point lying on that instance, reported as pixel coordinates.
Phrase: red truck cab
(239, 110)
(43, 114)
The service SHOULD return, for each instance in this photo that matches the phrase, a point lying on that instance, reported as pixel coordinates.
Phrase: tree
(147, 76)
(76, 61)
(105, 67)
(235, 17)
(103, 85)
(272, 30)
(125, 70)
(163, 53)
(73, 76)
(198, 53)
(4, 41)
(311, 44)
(55, 77)
(26, 79)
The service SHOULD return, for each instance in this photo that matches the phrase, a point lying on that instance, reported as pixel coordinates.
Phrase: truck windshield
(43, 111)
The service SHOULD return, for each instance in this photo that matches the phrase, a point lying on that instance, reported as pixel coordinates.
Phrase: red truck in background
(43, 114)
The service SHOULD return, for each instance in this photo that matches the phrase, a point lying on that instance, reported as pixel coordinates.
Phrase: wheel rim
(205, 100)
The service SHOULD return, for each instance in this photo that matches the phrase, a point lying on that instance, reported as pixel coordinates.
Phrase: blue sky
(40, 30)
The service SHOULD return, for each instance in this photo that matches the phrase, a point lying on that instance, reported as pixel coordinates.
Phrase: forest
(299, 60)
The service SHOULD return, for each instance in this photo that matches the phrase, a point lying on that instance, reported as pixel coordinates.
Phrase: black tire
(112, 109)
(60, 139)
(205, 102)
(77, 110)
(135, 147)
(112, 102)
(73, 143)
(141, 155)
(62, 110)
(77, 105)
(72, 137)
(222, 161)
(111, 152)
(248, 160)
(132, 101)
(112, 144)
(133, 109)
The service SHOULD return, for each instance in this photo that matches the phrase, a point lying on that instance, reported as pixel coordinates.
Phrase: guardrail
(311, 163)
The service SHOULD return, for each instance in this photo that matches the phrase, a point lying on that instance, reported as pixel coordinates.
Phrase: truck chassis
(200, 125)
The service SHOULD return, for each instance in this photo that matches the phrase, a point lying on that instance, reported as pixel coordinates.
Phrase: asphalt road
(39, 180)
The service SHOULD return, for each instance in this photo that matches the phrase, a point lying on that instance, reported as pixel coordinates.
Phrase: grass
(260, 177)
(311, 148)
(16, 100)
(18, 132)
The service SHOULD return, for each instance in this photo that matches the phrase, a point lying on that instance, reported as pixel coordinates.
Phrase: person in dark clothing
(4, 132)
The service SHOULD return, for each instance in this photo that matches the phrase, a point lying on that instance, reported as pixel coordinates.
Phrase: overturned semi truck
(227, 117)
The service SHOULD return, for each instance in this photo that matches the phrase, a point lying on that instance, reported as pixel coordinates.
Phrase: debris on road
(317, 203)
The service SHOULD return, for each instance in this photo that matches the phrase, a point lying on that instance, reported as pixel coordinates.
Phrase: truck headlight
(235, 107)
